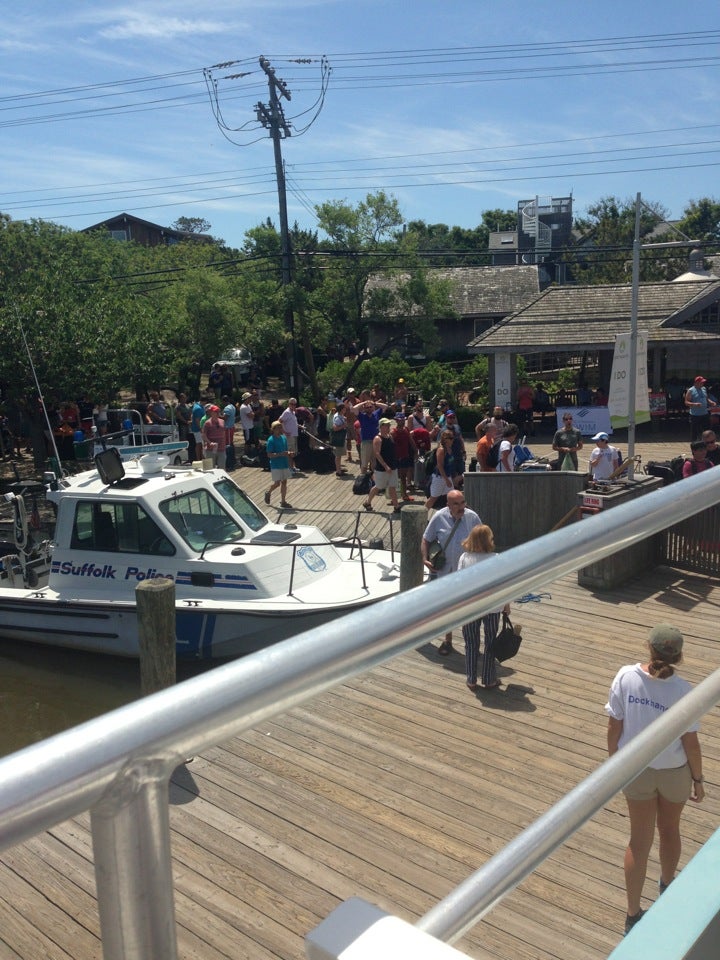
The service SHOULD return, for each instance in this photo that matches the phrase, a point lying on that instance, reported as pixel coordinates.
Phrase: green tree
(191, 225)
(701, 220)
(604, 252)
(371, 274)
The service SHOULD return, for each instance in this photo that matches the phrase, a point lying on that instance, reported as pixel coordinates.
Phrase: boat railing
(354, 542)
(139, 432)
(118, 766)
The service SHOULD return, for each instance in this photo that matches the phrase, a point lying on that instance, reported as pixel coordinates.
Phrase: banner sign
(503, 397)
(619, 401)
(588, 420)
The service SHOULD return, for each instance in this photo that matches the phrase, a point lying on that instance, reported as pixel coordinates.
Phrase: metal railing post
(133, 867)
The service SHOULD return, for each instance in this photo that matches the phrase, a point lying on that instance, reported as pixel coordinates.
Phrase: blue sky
(453, 106)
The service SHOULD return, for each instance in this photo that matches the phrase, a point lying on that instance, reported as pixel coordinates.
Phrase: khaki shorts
(383, 479)
(673, 785)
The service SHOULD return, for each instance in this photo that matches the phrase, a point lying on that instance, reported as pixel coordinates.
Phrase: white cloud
(141, 25)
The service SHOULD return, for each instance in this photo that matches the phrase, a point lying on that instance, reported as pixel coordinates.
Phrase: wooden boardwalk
(395, 787)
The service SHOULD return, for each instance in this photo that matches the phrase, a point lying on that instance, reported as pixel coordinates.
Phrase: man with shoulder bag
(441, 544)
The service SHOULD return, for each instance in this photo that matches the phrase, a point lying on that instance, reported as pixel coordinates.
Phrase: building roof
(589, 317)
(478, 291)
(123, 219)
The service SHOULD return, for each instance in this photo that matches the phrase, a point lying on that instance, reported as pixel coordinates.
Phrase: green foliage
(332, 377)
(475, 372)
(605, 253)
(468, 417)
(437, 379)
(191, 224)
(565, 380)
(701, 220)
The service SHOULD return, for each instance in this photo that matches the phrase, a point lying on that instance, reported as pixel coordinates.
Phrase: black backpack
(362, 484)
(676, 465)
(493, 457)
(430, 463)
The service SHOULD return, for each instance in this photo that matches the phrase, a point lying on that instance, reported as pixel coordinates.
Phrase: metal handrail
(118, 765)
(468, 903)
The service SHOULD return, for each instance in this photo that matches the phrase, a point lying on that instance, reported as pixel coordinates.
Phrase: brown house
(479, 298)
(125, 226)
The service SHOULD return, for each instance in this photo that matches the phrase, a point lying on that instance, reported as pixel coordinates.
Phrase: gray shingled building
(480, 297)
(681, 320)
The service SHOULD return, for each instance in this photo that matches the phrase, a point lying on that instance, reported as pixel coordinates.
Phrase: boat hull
(202, 632)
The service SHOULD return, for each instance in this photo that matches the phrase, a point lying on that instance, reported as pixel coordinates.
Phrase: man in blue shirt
(229, 415)
(277, 452)
(368, 413)
(696, 400)
(196, 417)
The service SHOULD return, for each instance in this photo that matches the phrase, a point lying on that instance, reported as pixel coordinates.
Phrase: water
(44, 690)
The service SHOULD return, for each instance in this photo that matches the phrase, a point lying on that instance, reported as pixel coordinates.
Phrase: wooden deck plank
(395, 787)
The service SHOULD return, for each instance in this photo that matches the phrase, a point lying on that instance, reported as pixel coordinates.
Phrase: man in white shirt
(291, 429)
(604, 459)
(247, 422)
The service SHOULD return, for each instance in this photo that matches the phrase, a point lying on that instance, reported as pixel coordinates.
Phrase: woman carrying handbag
(478, 546)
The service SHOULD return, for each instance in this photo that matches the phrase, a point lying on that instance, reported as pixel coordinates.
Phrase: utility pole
(271, 116)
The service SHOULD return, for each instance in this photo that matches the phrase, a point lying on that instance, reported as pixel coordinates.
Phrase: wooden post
(413, 520)
(156, 633)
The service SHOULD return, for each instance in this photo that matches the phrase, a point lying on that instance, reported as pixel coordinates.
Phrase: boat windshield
(200, 519)
(241, 504)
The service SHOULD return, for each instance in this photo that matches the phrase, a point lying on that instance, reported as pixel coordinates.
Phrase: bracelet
(698, 779)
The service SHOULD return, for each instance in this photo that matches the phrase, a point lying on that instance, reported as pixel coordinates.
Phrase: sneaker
(631, 921)
(267, 497)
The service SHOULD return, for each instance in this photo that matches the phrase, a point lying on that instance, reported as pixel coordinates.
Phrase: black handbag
(507, 643)
(436, 555)
(436, 550)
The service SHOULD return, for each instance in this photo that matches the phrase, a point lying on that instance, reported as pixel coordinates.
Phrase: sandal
(631, 921)
(368, 506)
(492, 686)
(472, 687)
(267, 497)
(284, 503)
(445, 648)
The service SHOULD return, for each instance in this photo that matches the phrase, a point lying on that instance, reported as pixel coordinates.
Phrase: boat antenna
(37, 387)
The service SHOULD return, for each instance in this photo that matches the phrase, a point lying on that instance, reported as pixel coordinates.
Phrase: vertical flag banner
(503, 396)
(619, 400)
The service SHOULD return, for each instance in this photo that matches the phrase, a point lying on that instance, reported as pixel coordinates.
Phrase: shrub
(469, 417)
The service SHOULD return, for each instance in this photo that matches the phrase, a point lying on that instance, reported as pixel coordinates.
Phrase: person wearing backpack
(699, 460)
(506, 450)
(486, 440)
(441, 482)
